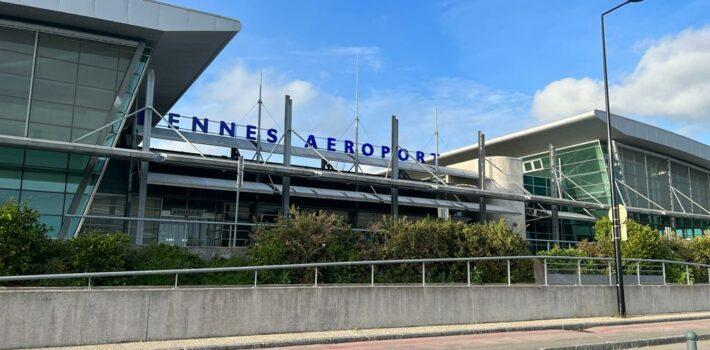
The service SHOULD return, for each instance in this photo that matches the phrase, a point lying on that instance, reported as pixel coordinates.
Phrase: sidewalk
(562, 333)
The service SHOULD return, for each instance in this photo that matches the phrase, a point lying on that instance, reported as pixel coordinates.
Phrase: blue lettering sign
(384, 151)
(367, 149)
(251, 132)
(173, 120)
(402, 154)
(420, 156)
(311, 141)
(349, 147)
(229, 128)
(331, 144)
(271, 135)
(203, 125)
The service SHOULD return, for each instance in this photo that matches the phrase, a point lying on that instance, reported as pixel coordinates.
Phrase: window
(532, 165)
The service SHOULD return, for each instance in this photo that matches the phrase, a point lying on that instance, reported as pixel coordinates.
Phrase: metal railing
(555, 270)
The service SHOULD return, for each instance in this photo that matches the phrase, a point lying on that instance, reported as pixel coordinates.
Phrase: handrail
(326, 264)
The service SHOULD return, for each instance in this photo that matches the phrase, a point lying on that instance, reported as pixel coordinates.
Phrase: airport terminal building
(86, 85)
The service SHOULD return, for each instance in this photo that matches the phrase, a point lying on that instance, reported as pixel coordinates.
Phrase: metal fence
(547, 270)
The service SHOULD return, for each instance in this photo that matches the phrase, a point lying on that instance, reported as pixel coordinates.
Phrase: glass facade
(584, 172)
(57, 87)
(651, 182)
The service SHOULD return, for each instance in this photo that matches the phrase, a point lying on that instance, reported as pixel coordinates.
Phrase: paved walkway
(632, 336)
(504, 335)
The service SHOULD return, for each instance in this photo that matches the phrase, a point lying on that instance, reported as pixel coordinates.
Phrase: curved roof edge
(587, 127)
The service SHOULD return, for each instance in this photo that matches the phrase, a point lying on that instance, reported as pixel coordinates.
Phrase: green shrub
(305, 238)
(22, 240)
(436, 238)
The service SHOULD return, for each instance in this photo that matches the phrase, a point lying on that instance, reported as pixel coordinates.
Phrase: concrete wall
(502, 174)
(39, 317)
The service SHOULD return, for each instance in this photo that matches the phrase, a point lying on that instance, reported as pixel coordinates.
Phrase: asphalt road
(545, 339)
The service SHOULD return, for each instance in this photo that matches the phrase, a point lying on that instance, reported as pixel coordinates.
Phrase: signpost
(623, 216)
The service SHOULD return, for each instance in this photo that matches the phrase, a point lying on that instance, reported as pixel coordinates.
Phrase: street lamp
(616, 231)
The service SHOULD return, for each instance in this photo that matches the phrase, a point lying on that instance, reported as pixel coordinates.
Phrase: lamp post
(616, 225)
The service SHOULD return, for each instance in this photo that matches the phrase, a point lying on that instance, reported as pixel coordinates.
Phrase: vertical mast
(258, 121)
(436, 140)
(357, 113)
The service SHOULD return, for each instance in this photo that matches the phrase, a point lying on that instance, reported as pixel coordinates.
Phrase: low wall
(62, 317)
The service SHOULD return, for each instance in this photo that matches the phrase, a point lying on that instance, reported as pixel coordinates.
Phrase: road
(544, 339)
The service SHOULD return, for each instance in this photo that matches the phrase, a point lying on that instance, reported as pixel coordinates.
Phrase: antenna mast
(436, 139)
(357, 113)
(258, 121)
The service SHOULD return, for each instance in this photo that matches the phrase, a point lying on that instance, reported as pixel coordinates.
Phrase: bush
(22, 240)
(435, 238)
(305, 238)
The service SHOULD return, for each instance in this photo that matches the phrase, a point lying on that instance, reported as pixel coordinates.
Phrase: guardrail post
(579, 271)
(256, 277)
(423, 274)
(468, 273)
(687, 275)
(372, 275)
(89, 285)
(638, 273)
(611, 283)
(691, 340)
(663, 268)
(544, 263)
(708, 275)
(548, 245)
(315, 280)
(507, 262)
(176, 281)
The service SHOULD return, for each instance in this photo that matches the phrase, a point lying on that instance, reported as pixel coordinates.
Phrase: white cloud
(672, 80)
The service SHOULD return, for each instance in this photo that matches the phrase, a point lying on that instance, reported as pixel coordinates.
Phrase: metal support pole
(611, 281)
(286, 180)
(507, 263)
(554, 189)
(372, 275)
(638, 273)
(256, 277)
(240, 180)
(315, 279)
(258, 121)
(687, 275)
(616, 231)
(468, 273)
(579, 272)
(691, 340)
(663, 268)
(143, 178)
(708, 275)
(544, 262)
(394, 151)
(482, 174)
(423, 274)
(89, 284)
(176, 281)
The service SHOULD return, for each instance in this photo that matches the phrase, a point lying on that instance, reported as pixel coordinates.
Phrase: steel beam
(143, 175)
(482, 174)
(394, 160)
(555, 194)
(286, 180)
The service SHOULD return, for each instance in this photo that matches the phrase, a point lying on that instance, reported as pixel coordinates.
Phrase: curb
(630, 344)
(574, 327)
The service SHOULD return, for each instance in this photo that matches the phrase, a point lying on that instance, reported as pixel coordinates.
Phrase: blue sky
(498, 66)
